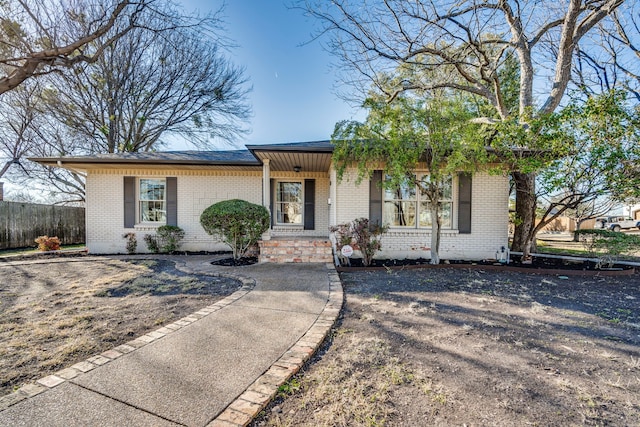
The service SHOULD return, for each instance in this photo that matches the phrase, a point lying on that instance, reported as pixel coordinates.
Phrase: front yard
(472, 347)
(414, 347)
(54, 313)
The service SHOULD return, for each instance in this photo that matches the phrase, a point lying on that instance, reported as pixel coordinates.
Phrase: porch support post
(266, 188)
(266, 193)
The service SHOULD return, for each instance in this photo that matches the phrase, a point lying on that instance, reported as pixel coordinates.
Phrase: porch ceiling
(287, 160)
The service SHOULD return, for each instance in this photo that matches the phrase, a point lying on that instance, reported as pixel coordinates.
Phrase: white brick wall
(197, 190)
(104, 223)
(489, 221)
(352, 200)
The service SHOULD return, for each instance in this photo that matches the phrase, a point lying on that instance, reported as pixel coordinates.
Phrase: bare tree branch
(466, 41)
(60, 53)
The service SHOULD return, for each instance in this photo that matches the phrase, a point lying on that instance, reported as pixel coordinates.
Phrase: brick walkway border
(259, 394)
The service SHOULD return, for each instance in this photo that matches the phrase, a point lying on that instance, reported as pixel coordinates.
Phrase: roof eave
(290, 149)
(59, 161)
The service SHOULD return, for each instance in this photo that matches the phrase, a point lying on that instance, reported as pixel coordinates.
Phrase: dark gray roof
(229, 157)
(209, 157)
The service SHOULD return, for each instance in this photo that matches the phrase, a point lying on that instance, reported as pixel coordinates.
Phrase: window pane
(445, 215)
(401, 207)
(152, 189)
(290, 192)
(398, 213)
(446, 189)
(152, 211)
(404, 192)
(425, 215)
(446, 186)
(152, 200)
(290, 213)
(289, 203)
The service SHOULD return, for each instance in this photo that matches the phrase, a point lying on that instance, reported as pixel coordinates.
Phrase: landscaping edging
(44, 255)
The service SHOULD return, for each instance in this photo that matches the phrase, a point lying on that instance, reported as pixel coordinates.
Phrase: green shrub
(46, 243)
(608, 245)
(166, 240)
(361, 234)
(237, 223)
(132, 242)
(151, 240)
(169, 238)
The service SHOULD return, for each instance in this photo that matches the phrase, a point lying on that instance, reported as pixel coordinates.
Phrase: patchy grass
(31, 251)
(353, 388)
(54, 313)
(544, 249)
(473, 347)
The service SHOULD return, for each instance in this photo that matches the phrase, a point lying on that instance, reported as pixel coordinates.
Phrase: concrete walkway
(217, 367)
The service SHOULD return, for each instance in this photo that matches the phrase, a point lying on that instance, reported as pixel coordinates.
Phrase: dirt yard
(54, 313)
(473, 348)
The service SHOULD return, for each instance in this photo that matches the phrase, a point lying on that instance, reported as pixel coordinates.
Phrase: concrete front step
(296, 250)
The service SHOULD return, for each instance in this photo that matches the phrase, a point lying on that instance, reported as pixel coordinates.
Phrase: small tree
(406, 134)
(238, 223)
(132, 242)
(170, 237)
(597, 168)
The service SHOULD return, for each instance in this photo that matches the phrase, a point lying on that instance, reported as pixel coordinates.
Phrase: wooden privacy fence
(21, 223)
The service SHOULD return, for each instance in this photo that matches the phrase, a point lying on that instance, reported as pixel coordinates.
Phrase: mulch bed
(539, 265)
(230, 262)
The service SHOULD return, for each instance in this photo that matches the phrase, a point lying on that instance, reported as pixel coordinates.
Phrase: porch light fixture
(297, 169)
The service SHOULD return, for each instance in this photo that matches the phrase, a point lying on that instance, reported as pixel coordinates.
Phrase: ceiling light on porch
(297, 169)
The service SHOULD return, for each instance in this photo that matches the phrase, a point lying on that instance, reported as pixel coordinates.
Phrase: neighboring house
(137, 192)
(632, 211)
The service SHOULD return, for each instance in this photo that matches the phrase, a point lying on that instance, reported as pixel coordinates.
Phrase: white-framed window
(289, 202)
(152, 200)
(406, 206)
(400, 206)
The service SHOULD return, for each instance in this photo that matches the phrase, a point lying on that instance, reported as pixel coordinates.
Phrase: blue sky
(292, 97)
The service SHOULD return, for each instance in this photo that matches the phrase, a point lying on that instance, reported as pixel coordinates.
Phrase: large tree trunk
(523, 237)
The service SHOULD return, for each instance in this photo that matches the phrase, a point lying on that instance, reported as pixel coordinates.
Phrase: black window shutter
(172, 200)
(129, 201)
(309, 204)
(272, 200)
(375, 198)
(464, 203)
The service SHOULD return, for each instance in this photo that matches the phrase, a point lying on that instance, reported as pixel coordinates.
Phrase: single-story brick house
(137, 192)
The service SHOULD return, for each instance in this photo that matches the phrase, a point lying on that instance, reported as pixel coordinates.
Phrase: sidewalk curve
(217, 367)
